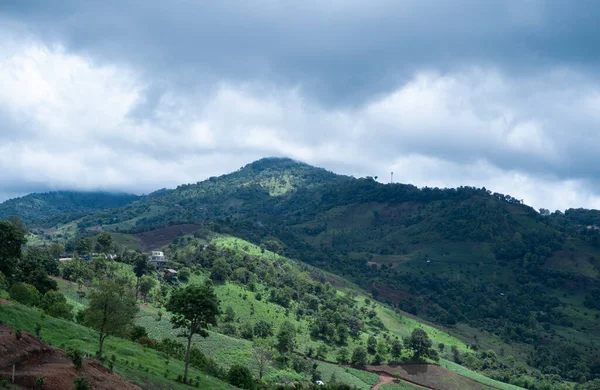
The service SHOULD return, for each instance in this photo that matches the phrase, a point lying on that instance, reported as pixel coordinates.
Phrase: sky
(133, 96)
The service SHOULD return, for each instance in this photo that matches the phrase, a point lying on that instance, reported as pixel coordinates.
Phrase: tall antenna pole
(392, 178)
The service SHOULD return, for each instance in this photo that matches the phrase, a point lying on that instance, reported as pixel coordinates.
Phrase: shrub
(76, 357)
(138, 332)
(40, 382)
(81, 383)
(25, 294)
(241, 377)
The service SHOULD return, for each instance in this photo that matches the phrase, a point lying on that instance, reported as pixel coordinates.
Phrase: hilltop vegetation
(484, 266)
(55, 207)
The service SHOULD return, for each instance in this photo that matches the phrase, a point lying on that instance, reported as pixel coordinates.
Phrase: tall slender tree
(194, 308)
(111, 310)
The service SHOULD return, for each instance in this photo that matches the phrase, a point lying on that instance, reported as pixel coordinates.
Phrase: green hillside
(60, 206)
(482, 265)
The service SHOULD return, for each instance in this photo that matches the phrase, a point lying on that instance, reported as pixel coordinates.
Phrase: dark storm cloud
(338, 51)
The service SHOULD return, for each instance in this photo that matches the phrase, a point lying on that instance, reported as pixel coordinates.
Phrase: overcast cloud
(140, 95)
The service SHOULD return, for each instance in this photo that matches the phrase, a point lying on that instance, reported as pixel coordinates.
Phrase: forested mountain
(39, 208)
(483, 264)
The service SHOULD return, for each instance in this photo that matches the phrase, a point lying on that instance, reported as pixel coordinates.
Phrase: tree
(371, 345)
(25, 294)
(84, 246)
(11, 240)
(263, 329)
(141, 267)
(55, 304)
(146, 284)
(111, 310)
(286, 338)
(321, 352)
(220, 270)
(420, 345)
(359, 356)
(104, 242)
(35, 267)
(262, 357)
(396, 349)
(241, 377)
(342, 356)
(18, 223)
(194, 308)
(137, 332)
(56, 250)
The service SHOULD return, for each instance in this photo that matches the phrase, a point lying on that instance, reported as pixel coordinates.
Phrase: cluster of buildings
(157, 258)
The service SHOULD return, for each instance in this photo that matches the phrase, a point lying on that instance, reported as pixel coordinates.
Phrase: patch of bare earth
(154, 239)
(430, 376)
(33, 359)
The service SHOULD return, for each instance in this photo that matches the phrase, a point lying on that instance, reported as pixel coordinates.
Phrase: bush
(25, 294)
(81, 383)
(241, 377)
(76, 357)
(138, 332)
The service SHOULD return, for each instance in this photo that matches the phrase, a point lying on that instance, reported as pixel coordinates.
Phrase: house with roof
(158, 259)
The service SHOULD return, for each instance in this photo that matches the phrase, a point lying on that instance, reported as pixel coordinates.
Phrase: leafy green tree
(141, 267)
(247, 331)
(382, 348)
(263, 329)
(11, 241)
(321, 352)
(359, 356)
(194, 308)
(229, 314)
(111, 310)
(18, 223)
(420, 345)
(372, 345)
(396, 349)
(286, 338)
(104, 242)
(56, 250)
(241, 377)
(147, 283)
(25, 294)
(55, 304)
(220, 270)
(84, 246)
(342, 355)
(137, 332)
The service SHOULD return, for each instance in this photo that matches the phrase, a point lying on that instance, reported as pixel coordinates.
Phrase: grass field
(137, 364)
(399, 386)
(476, 376)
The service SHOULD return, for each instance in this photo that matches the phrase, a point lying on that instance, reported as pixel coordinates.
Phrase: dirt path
(383, 379)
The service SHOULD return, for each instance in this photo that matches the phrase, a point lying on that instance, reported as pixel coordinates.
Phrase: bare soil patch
(155, 239)
(32, 359)
(429, 376)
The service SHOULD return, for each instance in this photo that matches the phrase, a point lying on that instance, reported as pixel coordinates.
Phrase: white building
(158, 259)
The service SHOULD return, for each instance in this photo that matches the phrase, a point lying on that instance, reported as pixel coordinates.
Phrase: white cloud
(69, 125)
